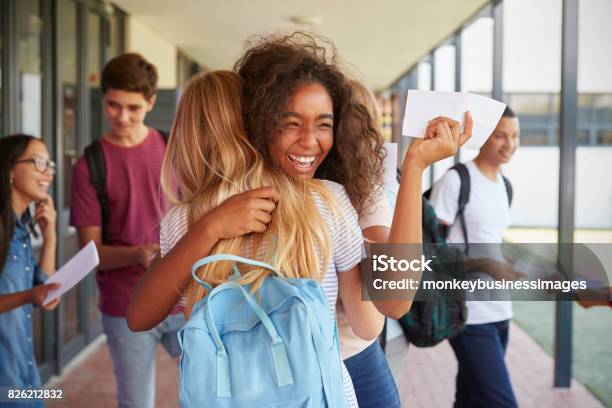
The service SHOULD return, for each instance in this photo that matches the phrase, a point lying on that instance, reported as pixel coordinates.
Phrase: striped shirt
(346, 252)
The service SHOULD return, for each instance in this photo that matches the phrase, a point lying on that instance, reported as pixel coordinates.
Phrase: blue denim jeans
(482, 377)
(133, 355)
(372, 378)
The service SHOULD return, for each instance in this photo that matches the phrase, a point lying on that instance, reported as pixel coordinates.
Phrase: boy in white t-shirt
(482, 377)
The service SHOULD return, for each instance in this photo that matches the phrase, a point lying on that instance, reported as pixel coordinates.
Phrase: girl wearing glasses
(25, 176)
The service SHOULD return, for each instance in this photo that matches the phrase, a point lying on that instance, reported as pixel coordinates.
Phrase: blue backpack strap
(336, 334)
(225, 257)
(280, 359)
(321, 350)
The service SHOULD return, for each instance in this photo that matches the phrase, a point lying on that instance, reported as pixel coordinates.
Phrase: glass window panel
(594, 116)
(583, 137)
(602, 104)
(29, 65)
(537, 116)
(594, 51)
(477, 56)
(604, 137)
(593, 215)
(532, 46)
(531, 78)
(67, 88)
(93, 49)
(94, 69)
(534, 136)
(535, 104)
(585, 109)
(67, 109)
(445, 68)
(28, 36)
(424, 76)
(114, 44)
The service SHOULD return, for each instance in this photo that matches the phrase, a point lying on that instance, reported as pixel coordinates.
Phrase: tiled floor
(425, 378)
(91, 384)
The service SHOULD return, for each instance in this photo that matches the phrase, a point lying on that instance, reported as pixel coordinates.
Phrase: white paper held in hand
(423, 106)
(73, 271)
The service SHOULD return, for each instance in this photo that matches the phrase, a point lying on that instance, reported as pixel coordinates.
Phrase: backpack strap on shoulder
(165, 135)
(226, 257)
(508, 189)
(464, 195)
(94, 156)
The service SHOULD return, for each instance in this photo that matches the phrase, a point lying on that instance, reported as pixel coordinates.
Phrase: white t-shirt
(487, 215)
(346, 252)
(377, 214)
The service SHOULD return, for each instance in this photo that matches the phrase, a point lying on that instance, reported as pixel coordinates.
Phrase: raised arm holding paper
(441, 138)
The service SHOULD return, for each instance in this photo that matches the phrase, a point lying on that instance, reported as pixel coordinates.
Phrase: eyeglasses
(40, 164)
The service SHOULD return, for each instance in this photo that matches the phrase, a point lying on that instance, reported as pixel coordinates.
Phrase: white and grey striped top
(345, 237)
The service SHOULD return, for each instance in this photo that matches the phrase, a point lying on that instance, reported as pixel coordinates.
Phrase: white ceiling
(378, 41)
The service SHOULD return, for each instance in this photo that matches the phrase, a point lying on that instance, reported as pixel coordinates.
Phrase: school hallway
(425, 377)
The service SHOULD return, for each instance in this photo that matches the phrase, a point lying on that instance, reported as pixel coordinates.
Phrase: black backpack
(441, 315)
(94, 155)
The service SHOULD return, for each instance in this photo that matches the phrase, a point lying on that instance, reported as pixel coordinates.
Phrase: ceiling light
(307, 20)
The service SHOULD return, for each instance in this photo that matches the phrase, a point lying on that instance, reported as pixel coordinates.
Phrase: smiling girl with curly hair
(310, 120)
(273, 69)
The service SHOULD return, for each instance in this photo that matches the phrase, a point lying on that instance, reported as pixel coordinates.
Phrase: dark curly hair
(273, 68)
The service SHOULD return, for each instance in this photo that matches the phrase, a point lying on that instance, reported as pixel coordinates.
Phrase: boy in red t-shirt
(133, 155)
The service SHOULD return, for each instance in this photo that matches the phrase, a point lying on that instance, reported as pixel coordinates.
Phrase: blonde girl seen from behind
(209, 160)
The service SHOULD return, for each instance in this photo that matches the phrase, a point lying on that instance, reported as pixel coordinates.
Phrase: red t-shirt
(136, 206)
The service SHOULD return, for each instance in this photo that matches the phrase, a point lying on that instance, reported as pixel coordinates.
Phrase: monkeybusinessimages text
(382, 264)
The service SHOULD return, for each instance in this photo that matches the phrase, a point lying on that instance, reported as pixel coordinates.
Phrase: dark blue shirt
(18, 367)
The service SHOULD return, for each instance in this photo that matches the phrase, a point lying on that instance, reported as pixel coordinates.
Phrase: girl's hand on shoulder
(443, 138)
(241, 214)
(46, 217)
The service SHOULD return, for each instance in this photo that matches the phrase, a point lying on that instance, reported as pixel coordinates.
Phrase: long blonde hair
(209, 159)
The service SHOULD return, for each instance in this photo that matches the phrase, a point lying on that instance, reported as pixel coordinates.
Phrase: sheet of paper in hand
(423, 106)
(73, 271)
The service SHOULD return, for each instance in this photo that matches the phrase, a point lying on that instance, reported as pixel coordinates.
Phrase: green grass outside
(592, 341)
(591, 328)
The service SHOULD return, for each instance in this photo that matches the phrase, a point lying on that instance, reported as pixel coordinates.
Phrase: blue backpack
(276, 349)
